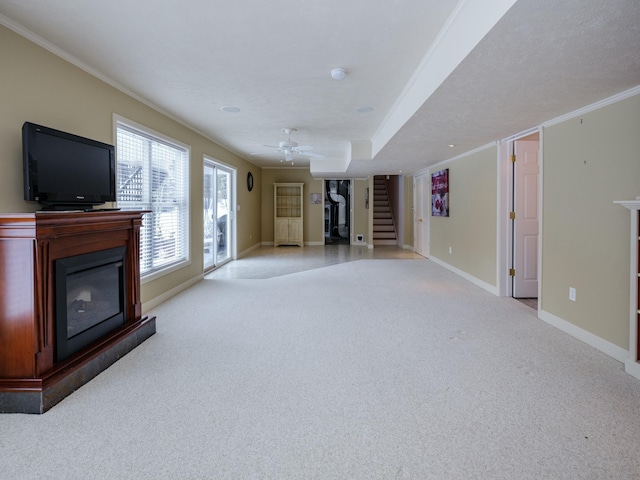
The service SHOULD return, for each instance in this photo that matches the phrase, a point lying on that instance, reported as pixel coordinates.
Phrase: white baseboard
(153, 303)
(249, 250)
(315, 244)
(476, 281)
(583, 335)
(632, 368)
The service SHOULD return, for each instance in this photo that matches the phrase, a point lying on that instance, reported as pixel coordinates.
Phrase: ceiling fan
(288, 147)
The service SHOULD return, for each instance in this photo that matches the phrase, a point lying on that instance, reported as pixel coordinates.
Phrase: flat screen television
(63, 171)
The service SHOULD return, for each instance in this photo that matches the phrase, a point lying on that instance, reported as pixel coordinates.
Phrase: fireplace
(69, 302)
(90, 298)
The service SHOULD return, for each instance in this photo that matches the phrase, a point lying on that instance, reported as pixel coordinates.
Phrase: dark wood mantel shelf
(31, 381)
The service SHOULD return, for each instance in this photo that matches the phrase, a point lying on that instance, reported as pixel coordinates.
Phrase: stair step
(384, 235)
(384, 232)
(382, 221)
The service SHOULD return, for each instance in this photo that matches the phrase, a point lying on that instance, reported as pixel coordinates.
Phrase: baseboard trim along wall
(153, 303)
(606, 347)
(476, 281)
(589, 338)
(246, 252)
(632, 368)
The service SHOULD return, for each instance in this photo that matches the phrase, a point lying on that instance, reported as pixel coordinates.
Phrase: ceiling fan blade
(272, 146)
(305, 147)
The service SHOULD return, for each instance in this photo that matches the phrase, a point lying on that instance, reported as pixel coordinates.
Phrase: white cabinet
(288, 214)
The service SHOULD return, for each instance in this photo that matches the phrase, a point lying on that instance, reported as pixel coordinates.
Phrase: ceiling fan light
(338, 73)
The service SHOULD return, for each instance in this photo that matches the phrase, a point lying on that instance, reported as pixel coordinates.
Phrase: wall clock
(249, 181)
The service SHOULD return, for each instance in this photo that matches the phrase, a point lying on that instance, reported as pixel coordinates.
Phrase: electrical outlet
(572, 294)
(450, 250)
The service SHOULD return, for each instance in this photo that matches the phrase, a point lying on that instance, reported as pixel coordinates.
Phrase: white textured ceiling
(436, 72)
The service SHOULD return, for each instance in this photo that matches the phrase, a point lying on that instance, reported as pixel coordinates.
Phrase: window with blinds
(153, 175)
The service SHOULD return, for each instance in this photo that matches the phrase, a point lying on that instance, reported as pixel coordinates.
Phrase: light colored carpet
(373, 369)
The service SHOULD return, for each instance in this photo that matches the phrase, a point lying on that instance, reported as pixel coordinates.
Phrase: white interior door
(421, 209)
(526, 191)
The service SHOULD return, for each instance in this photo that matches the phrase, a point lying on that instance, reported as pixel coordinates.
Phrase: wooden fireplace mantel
(30, 379)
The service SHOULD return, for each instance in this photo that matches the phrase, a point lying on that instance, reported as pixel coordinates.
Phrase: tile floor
(267, 262)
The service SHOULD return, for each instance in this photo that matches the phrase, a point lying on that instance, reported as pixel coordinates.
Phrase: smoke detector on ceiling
(338, 73)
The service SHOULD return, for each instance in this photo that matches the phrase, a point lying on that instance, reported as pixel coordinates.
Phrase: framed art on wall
(440, 193)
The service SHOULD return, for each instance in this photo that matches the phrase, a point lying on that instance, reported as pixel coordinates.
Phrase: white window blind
(153, 175)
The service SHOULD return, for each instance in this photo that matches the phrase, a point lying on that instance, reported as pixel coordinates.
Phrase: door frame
(425, 202)
(231, 215)
(505, 196)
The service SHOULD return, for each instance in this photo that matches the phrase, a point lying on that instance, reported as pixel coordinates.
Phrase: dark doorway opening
(337, 212)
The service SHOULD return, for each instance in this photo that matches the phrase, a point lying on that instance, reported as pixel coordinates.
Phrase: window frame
(164, 139)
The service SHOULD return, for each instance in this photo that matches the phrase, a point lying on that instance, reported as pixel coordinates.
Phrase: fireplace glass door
(90, 298)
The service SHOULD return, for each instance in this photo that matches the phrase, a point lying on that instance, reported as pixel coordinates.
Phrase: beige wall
(313, 214)
(360, 212)
(39, 87)
(589, 162)
(470, 229)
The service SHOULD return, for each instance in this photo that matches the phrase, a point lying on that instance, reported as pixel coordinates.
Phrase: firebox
(90, 298)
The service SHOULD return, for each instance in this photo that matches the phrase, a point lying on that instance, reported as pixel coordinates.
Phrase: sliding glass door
(218, 212)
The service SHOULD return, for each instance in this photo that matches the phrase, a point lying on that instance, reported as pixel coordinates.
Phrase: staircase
(384, 230)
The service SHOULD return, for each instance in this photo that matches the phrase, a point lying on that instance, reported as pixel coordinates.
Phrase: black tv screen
(66, 171)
